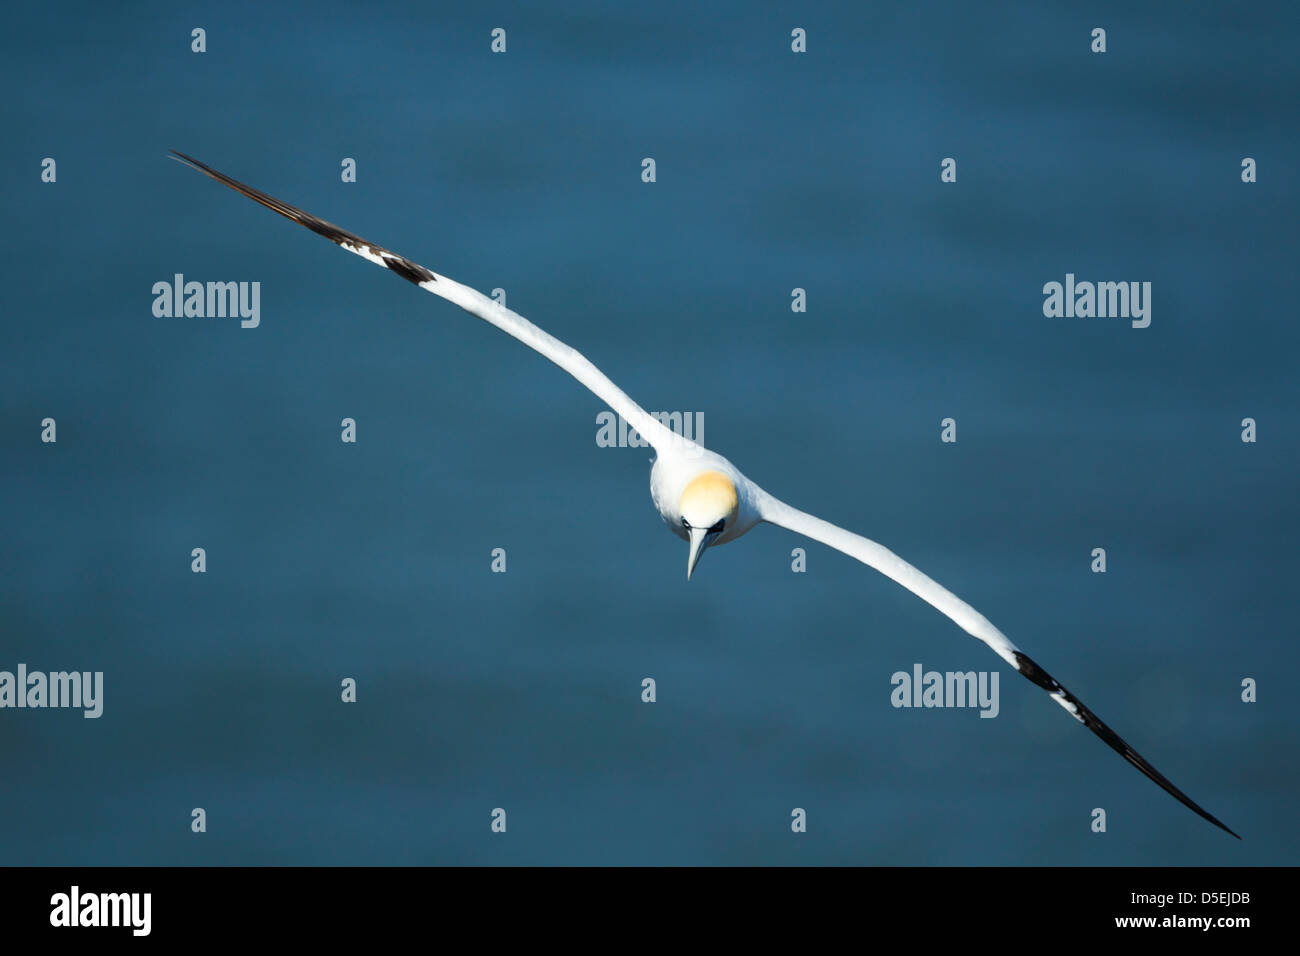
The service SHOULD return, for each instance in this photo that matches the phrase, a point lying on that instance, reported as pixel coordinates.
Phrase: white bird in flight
(701, 496)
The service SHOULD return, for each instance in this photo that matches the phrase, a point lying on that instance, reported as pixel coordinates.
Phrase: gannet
(701, 496)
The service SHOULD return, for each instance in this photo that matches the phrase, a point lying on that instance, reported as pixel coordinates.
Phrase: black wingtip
(399, 265)
(1033, 672)
(180, 157)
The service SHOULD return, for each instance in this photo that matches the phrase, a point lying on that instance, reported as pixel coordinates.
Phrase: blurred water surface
(522, 690)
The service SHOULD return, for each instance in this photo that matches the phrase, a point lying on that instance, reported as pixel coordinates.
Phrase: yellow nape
(709, 493)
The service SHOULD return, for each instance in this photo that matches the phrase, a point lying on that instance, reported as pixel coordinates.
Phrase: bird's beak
(699, 541)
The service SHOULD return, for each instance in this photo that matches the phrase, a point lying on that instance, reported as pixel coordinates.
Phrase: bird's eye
(685, 523)
(717, 528)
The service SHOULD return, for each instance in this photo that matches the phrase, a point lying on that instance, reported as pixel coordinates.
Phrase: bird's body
(674, 471)
(700, 495)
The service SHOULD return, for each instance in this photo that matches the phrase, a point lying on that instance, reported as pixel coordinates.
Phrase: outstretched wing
(970, 620)
(472, 301)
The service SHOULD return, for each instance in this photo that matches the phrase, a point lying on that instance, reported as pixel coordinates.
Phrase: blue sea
(522, 691)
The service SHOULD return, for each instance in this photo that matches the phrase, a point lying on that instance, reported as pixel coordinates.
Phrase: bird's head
(707, 508)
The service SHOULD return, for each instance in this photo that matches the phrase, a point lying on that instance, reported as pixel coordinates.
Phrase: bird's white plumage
(877, 556)
(891, 566)
(565, 356)
(681, 461)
